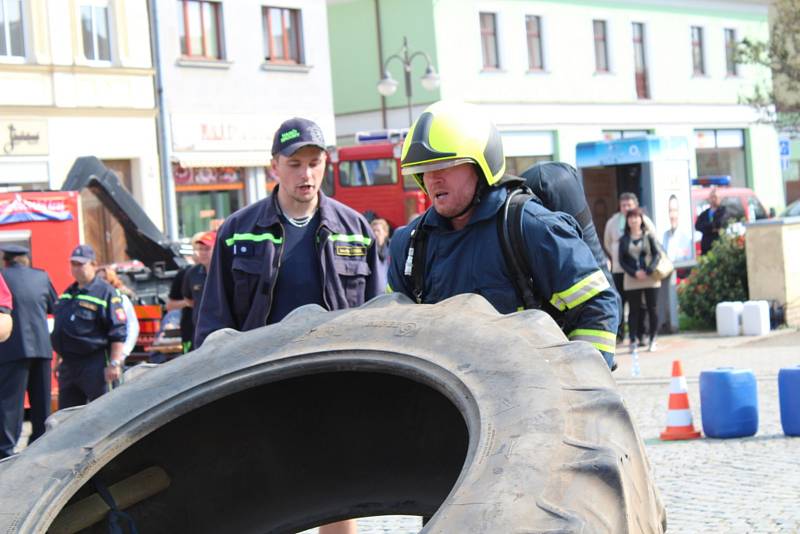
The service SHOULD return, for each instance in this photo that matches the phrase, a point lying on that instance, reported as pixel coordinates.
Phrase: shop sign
(19, 209)
(220, 132)
(206, 175)
(23, 138)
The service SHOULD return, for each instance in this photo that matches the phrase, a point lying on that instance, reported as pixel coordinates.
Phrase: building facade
(554, 74)
(232, 71)
(76, 79)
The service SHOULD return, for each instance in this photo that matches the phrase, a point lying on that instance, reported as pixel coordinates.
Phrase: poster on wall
(672, 210)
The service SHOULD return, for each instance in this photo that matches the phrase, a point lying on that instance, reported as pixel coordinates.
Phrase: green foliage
(720, 275)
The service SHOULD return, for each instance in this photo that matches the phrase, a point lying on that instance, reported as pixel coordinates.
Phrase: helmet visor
(434, 166)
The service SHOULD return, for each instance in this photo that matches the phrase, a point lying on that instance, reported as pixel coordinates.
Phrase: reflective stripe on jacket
(246, 261)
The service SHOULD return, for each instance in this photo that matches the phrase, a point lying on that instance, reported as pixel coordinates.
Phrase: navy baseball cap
(296, 133)
(83, 254)
(10, 249)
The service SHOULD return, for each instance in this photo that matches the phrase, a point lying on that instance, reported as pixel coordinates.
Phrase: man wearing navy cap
(295, 247)
(88, 334)
(25, 358)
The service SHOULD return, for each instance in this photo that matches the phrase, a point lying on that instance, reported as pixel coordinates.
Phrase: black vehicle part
(145, 241)
(485, 423)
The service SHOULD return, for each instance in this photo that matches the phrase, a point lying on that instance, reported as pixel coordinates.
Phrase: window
(610, 135)
(363, 172)
(730, 53)
(722, 153)
(12, 42)
(282, 35)
(600, 46)
(489, 41)
(94, 26)
(199, 29)
(533, 25)
(639, 59)
(698, 65)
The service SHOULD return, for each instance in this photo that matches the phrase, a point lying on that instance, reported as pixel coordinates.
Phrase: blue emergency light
(382, 136)
(708, 181)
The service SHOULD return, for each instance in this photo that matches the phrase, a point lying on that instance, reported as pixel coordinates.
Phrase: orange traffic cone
(679, 415)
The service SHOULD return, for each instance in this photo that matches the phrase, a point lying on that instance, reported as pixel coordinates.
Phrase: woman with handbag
(639, 255)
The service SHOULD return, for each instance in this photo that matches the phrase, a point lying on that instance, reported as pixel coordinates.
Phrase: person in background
(614, 230)
(89, 332)
(25, 358)
(6, 322)
(638, 256)
(380, 227)
(175, 300)
(108, 274)
(711, 221)
(195, 279)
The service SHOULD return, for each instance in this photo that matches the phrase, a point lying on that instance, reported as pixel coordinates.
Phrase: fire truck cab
(367, 177)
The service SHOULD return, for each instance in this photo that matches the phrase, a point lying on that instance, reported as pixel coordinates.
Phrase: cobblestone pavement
(708, 485)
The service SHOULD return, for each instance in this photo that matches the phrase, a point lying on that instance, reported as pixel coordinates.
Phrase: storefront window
(206, 195)
(721, 153)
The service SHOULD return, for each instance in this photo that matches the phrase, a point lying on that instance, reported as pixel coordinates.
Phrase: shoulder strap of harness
(512, 243)
(415, 258)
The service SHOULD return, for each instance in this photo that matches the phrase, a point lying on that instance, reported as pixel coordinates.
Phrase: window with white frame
(731, 66)
(283, 36)
(95, 30)
(600, 46)
(199, 29)
(698, 63)
(491, 60)
(12, 36)
(533, 27)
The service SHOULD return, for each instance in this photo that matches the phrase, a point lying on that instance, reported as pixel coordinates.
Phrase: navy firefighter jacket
(247, 258)
(87, 320)
(471, 261)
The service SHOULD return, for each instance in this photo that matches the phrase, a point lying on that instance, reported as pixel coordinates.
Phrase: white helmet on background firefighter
(449, 134)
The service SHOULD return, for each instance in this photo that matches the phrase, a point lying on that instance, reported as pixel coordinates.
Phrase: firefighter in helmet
(456, 156)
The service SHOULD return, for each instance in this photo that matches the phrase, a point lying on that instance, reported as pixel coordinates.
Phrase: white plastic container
(729, 315)
(755, 318)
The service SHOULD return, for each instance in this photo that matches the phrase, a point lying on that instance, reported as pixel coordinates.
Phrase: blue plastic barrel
(789, 393)
(729, 403)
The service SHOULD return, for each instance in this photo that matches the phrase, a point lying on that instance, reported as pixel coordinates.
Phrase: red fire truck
(367, 178)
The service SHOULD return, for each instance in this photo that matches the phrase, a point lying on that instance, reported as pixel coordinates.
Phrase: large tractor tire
(484, 423)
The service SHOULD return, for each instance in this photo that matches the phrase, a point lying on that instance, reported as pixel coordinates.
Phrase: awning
(222, 159)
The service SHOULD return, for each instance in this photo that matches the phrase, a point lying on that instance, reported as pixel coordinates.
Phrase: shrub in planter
(720, 275)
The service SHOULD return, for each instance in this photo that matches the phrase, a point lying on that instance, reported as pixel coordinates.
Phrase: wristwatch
(115, 363)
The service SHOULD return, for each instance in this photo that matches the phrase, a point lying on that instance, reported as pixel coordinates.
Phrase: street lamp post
(388, 85)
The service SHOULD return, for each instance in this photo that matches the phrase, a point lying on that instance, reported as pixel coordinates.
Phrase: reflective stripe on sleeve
(65, 296)
(351, 238)
(255, 238)
(580, 292)
(600, 339)
(389, 289)
(94, 300)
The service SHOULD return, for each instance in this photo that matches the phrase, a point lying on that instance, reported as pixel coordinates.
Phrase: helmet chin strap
(480, 186)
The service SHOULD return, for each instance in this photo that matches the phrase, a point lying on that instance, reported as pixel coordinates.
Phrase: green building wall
(355, 65)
